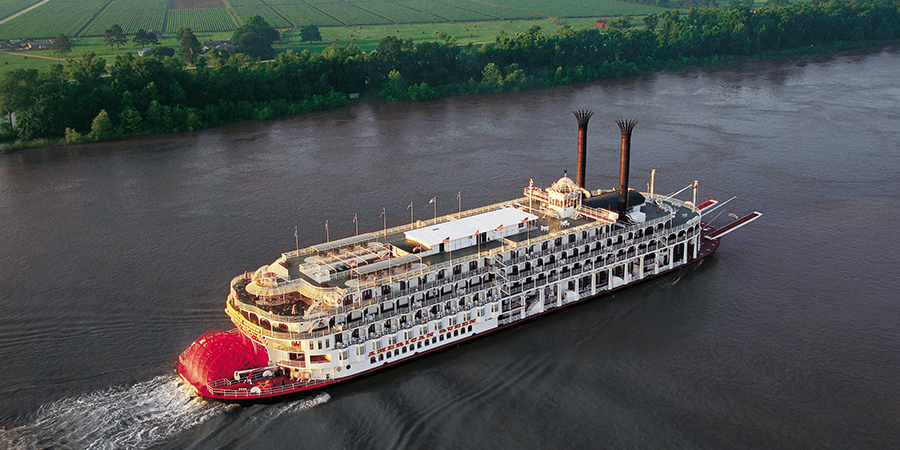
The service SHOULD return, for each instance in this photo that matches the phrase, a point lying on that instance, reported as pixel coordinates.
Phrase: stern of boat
(217, 355)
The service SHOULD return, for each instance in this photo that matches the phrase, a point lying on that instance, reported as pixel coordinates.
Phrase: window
(319, 359)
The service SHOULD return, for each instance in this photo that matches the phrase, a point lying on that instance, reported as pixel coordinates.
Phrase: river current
(116, 256)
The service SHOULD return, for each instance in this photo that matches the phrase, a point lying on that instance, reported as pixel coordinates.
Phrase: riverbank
(679, 66)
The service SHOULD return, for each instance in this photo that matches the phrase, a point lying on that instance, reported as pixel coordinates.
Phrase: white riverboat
(341, 309)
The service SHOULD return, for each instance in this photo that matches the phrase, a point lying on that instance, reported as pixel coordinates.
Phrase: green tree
(396, 88)
(18, 91)
(88, 69)
(62, 45)
(144, 38)
(114, 37)
(310, 33)
(189, 47)
(621, 22)
(160, 52)
(101, 127)
(130, 120)
(255, 38)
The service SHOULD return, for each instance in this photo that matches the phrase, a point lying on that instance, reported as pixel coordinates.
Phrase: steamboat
(342, 309)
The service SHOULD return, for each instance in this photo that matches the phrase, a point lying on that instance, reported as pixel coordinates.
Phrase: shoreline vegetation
(87, 100)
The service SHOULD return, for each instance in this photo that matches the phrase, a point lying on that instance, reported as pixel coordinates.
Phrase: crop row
(398, 13)
(51, 19)
(272, 17)
(574, 8)
(456, 12)
(200, 20)
(300, 14)
(129, 15)
(10, 7)
(349, 14)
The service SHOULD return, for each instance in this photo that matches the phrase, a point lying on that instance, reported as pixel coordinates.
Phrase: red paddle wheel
(217, 355)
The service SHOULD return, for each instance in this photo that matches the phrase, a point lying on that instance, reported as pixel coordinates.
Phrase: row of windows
(421, 344)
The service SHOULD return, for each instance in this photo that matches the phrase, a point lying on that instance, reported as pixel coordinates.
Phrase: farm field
(366, 37)
(87, 18)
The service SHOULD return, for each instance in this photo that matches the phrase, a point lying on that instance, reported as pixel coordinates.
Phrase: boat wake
(280, 409)
(137, 416)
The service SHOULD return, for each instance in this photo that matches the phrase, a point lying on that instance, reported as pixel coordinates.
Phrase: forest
(86, 100)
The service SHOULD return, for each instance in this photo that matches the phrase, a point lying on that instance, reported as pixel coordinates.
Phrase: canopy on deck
(498, 220)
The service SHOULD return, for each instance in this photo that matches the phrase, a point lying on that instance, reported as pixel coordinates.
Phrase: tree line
(86, 100)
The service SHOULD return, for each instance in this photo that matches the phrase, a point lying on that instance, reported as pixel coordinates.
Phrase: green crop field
(302, 14)
(52, 18)
(200, 20)
(10, 7)
(84, 18)
(131, 15)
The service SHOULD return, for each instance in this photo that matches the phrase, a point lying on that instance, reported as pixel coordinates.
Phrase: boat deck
(368, 259)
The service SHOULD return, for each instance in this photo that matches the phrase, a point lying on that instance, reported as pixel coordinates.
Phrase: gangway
(734, 225)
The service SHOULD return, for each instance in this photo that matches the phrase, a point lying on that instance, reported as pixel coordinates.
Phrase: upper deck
(315, 282)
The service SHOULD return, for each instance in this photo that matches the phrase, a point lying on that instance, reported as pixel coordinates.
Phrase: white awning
(497, 220)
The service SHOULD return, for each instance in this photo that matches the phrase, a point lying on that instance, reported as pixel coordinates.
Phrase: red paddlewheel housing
(217, 355)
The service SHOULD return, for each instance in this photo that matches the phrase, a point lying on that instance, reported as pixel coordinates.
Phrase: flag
(446, 240)
(500, 227)
(384, 256)
(432, 200)
(352, 263)
(354, 218)
(295, 232)
(458, 194)
(476, 233)
(326, 224)
(525, 220)
(410, 205)
(382, 213)
(417, 248)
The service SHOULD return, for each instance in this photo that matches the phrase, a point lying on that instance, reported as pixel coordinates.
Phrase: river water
(116, 256)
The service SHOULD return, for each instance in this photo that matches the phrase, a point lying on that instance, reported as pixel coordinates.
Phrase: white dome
(565, 185)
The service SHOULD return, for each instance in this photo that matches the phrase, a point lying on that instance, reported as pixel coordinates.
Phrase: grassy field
(87, 18)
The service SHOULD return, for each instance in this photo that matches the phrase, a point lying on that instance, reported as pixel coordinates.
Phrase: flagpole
(327, 238)
(410, 208)
(297, 239)
(459, 203)
(434, 202)
(357, 224)
(384, 221)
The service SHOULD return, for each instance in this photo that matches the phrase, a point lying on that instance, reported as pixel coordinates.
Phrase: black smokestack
(583, 115)
(625, 126)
